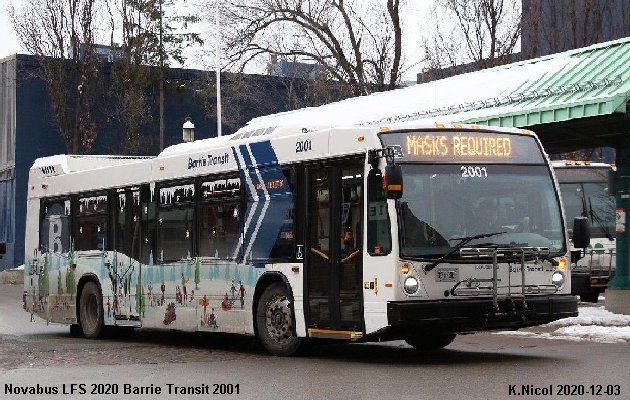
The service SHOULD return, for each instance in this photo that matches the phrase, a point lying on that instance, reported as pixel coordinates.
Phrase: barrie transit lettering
(208, 161)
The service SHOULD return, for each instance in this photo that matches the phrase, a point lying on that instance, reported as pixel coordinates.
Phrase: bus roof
(245, 148)
(252, 132)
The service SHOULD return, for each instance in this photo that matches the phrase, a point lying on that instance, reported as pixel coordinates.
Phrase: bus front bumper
(469, 315)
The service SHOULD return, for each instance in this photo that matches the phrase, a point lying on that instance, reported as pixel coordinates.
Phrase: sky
(416, 11)
(8, 41)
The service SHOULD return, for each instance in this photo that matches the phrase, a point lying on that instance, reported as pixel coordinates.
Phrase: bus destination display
(464, 146)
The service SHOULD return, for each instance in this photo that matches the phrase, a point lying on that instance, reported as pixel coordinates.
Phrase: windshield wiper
(463, 241)
(595, 218)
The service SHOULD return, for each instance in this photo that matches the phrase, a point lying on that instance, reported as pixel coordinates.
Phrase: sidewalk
(13, 276)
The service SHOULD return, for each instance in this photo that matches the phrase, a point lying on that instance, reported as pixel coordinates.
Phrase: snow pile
(592, 324)
(597, 333)
(593, 316)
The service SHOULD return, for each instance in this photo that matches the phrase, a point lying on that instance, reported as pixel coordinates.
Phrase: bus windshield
(590, 199)
(442, 203)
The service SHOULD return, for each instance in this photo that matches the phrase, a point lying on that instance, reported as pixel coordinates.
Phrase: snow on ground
(593, 316)
(593, 323)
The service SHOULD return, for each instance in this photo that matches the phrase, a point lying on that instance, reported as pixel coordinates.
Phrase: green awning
(593, 81)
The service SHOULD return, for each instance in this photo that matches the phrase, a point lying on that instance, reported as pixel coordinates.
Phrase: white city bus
(584, 192)
(287, 233)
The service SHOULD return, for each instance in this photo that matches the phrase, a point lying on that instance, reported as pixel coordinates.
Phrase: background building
(28, 130)
(554, 26)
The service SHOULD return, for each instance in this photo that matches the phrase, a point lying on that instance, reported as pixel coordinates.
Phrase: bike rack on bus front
(473, 286)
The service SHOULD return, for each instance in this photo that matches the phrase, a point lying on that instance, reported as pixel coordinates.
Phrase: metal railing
(490, 286)
(592, 253)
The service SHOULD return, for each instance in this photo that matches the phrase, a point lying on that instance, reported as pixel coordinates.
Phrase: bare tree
(483, 32)
(60, 33)
(166, 35)
(560, 25)
(245, 96)
(152, 34)
(130, 78)
(357, 42)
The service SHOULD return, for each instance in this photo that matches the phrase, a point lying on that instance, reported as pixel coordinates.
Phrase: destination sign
(459, 146)
(582, 174)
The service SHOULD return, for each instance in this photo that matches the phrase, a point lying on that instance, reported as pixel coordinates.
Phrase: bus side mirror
(581, 233)
(612, 183)
(3, 249)
(393, 174)
(376, 191)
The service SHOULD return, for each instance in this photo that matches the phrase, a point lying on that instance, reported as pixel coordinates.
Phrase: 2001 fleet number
(303, 145)
(473, 172)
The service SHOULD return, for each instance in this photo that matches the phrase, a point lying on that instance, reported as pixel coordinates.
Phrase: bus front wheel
(430, 342)
(275, 322)
(589, 297)
(91, 310)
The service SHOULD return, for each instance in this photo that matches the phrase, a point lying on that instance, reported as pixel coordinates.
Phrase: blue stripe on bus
(241, 172)
(238, 162)
(245, 153)
(264, 153)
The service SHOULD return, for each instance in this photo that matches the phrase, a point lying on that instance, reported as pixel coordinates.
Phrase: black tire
(118, 332)
(589, 297)
(75, 330)
(430, 342)
(275, 322)
(91, 311)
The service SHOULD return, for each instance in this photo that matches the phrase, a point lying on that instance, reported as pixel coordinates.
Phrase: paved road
(481, 366)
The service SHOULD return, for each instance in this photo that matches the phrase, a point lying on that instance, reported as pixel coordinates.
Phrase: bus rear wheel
(430, 342)
(75, 330)
(91, 310)
(275, 322)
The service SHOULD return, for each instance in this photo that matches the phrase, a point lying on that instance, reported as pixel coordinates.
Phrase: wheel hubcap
(278, 319)
(90, 314)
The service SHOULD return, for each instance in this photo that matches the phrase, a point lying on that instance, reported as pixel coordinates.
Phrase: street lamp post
(218, 67)
(188, 130)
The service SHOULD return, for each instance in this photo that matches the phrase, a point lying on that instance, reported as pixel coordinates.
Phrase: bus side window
(219, 218)
(274, 238)
(379, 239)
(91, 223)
(175, 222)
(54, 227)
(127, 219)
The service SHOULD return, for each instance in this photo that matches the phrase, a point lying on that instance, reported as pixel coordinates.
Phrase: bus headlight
(557, 278)
(411, 285)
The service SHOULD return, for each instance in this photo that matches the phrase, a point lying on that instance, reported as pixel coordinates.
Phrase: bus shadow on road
(155, 346)
(391, 354)
(191, 340)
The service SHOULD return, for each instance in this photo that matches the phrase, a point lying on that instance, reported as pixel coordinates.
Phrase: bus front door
(334, 243)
